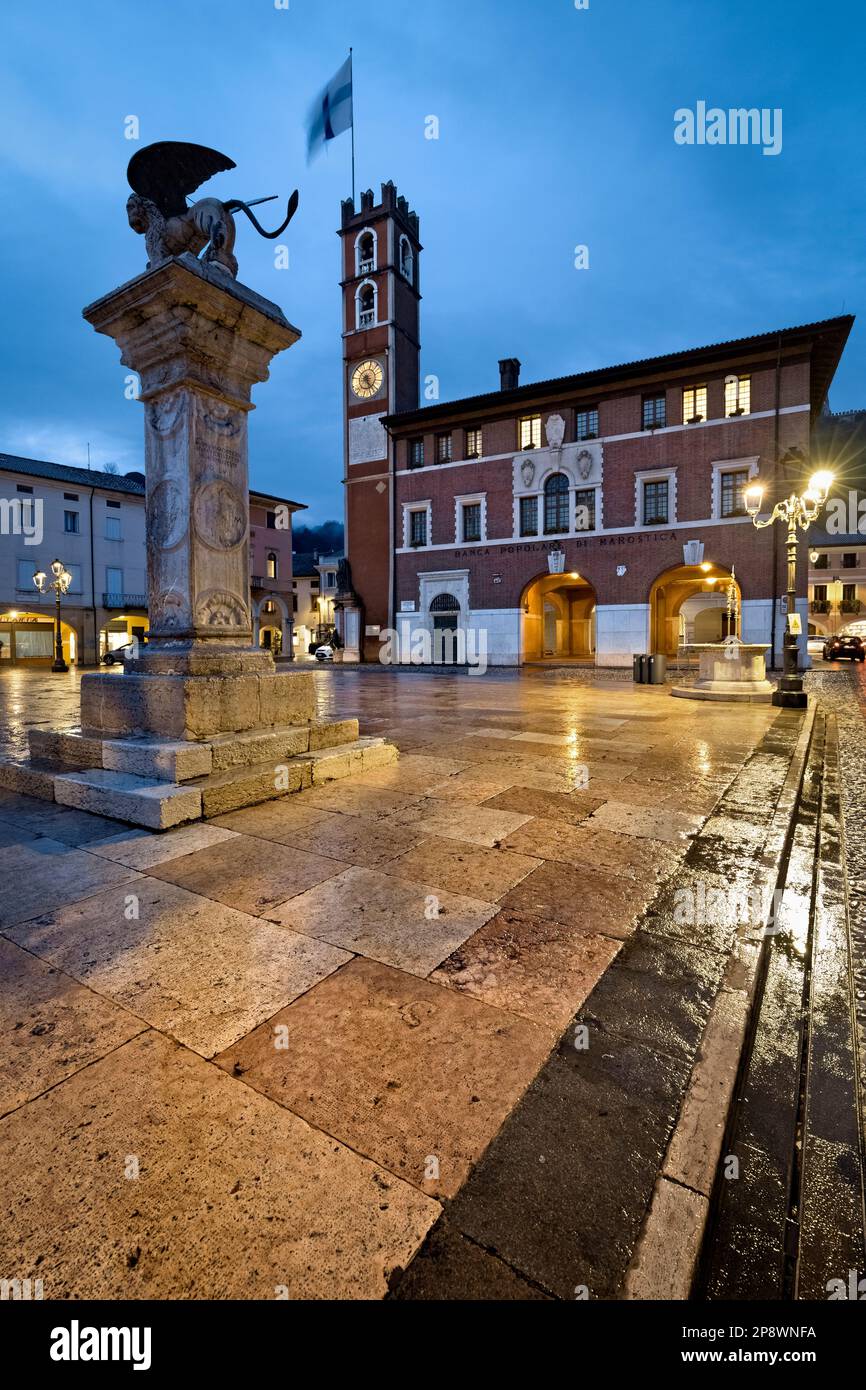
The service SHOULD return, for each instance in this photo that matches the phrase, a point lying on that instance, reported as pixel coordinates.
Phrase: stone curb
(665, 1258)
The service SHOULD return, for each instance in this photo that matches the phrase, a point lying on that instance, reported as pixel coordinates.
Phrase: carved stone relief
(220, 516)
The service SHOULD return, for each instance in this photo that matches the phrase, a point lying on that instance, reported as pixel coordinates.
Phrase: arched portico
(688, 605)
(558, 618)
(272, 625)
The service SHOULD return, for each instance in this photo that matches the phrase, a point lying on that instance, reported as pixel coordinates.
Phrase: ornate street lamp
(60, 584)
(797, 510)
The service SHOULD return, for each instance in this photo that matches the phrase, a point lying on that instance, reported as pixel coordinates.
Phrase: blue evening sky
(556, 129)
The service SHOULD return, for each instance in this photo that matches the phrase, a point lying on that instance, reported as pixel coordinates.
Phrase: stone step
(146, 801)
(236, 787)
(183, 760)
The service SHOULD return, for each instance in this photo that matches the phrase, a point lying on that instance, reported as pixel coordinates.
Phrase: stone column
(199, 342)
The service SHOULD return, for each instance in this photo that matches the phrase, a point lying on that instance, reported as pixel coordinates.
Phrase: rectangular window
(584, 504)
(443, 448)
(472, 521)
(529, 432)
(587, 424)
(418, 528)
(271, 521)
(849, 560)
(849, 593)
(473, 444)
(70, 523)
(556, 504)
(822, 562)
(75, 586)
(70, 496)
(733, 492)
(25, 571)
(416, 453)
(738, 395)
(529, 516)
(655, 412)
(113, 582)
(655, 503)
(112, 528)
(35, 643)
(819, 593)
(23, 487)
(116, 505)
(694, 405)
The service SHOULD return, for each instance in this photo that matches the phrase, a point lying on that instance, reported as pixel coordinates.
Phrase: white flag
(331, 113)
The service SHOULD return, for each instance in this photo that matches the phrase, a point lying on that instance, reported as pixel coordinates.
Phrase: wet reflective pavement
(434, 1117)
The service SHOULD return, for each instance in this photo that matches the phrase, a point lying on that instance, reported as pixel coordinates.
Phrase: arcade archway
(558, 619)
(689, 604)
(27, 639)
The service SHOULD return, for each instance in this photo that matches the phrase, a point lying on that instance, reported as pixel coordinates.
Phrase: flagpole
(352, 88)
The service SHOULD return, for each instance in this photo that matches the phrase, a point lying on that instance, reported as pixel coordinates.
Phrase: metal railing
(124, 600)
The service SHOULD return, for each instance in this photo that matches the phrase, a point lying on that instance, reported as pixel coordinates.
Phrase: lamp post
(798, 510)
(59, 583)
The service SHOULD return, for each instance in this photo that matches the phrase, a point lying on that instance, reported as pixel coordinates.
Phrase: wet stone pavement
(320, 1042)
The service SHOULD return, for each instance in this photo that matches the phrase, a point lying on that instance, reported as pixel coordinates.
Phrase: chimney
(509, 374)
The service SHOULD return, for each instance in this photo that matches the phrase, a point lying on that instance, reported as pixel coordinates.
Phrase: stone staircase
(158, 783)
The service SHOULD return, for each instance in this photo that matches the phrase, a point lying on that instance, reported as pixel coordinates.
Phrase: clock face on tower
(367, 379)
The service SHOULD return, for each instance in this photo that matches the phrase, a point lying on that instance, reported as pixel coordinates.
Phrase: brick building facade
(587, 517)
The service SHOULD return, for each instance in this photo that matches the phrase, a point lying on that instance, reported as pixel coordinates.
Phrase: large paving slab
(604, 903)
(144, 849)
(408, 925)
(403, 1071)
(530, 966)
(246, 873)
(200, 971)
(42, 874)
(591, 850)
(50, 1026)
(460, 867)
(235, 1197)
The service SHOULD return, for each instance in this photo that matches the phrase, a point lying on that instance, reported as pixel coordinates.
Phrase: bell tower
(381, 364)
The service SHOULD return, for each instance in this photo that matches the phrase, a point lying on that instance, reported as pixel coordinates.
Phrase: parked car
(816, 645)
(844, 648)
(325, 653)
(116, 655)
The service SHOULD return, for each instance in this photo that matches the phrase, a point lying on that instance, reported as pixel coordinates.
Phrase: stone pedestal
(200, 722)
(729, 671)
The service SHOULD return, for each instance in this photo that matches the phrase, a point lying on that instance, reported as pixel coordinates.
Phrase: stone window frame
(720, 466)
(404, 241)
(420, 506)
(366, 284)
(366, 231)
(575, 484)
(462, 500)
(655, 475)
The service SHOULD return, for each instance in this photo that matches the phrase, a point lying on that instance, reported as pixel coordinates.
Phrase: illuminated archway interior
(558, 618)
(688, 604)
(27, 639)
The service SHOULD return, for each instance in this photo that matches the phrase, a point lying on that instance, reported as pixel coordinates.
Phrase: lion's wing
(169, 170)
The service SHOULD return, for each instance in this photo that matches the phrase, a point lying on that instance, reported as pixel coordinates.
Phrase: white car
(325, 653)
(815, 646)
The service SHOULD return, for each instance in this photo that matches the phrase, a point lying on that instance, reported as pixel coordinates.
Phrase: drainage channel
(786, 1215)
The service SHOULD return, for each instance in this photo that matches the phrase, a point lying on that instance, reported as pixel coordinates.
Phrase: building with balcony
(315, 590)
(95, 523)
(837, 583)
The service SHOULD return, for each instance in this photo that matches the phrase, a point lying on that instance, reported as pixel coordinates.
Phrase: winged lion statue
(162, 176)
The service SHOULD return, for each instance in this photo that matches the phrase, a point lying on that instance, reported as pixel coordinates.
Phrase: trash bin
(641, 668)
(658, 668)
(638, 676)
